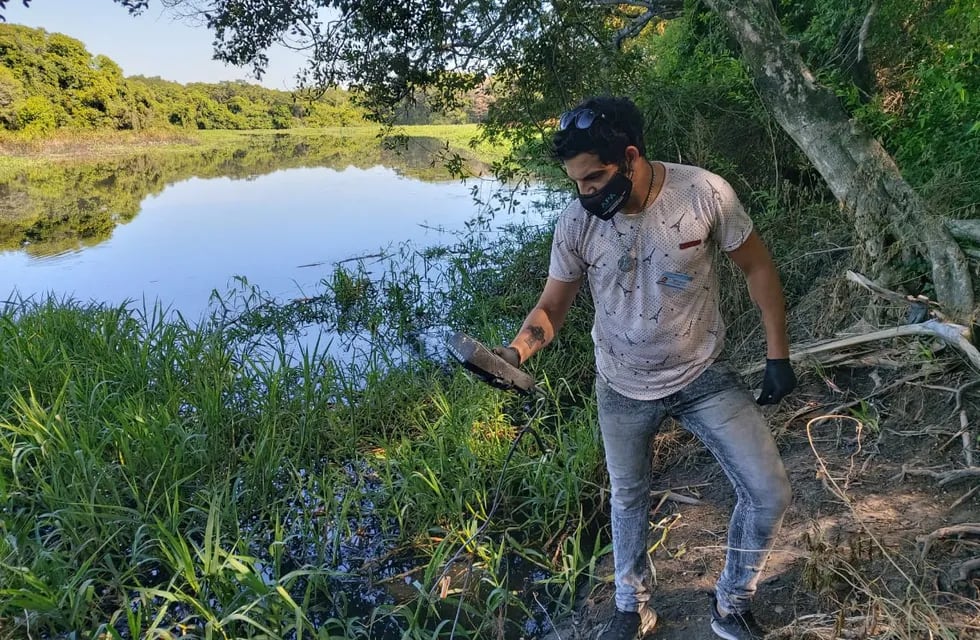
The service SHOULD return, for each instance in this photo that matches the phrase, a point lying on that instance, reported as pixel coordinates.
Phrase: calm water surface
(282, 231)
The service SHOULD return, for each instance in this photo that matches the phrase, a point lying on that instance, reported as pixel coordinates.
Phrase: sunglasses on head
(581, 118)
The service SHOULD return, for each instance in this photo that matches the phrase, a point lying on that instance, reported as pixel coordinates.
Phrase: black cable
(497, 492)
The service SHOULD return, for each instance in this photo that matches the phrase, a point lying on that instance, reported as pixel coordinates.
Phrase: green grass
(160, 478)
(20, 154)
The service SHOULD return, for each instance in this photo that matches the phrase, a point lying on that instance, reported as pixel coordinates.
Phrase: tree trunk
(859, 172)
(968, 233)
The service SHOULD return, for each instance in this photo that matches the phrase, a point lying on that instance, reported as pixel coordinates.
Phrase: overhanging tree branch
(651, 10)
(134, 6)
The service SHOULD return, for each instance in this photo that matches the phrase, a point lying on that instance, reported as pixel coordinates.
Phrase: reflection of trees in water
(59, 207)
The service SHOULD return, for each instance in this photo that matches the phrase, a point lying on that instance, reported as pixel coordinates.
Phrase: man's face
(588, 172)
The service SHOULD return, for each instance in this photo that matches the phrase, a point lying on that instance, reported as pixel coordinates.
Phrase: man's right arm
(546, 318)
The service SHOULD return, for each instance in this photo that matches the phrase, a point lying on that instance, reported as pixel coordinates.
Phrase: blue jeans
(722, 414)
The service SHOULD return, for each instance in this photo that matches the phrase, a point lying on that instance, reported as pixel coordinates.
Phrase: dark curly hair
(618, 125)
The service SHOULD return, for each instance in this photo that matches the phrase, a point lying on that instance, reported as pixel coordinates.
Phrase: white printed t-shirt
(658, 326)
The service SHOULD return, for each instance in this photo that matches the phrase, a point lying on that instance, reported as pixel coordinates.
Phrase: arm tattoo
(536, 337)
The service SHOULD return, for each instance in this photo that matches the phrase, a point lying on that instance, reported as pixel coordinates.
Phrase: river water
(90, 233)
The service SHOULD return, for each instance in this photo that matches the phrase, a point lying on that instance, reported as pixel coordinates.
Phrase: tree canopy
(50, 81)
(390, 50)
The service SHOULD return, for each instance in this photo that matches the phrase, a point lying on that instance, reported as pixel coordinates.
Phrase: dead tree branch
(664, 9)
(945, 477)
(675, 497)
(963, 498)
(966, 568)
(888, 294)
(956, 531)
(865, 29)
(953, 334)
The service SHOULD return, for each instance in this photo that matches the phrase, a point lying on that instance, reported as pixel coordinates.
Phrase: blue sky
(151, 44)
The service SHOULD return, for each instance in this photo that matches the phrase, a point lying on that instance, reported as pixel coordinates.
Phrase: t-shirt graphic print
(652, 276)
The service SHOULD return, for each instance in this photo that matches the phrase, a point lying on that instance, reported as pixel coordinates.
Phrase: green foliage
(50, 81)
(928, 104)
(11, 89)
(700, 104)
(915, 84)
(34, 115)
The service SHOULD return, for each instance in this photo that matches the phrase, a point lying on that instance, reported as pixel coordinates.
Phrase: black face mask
(605, 202)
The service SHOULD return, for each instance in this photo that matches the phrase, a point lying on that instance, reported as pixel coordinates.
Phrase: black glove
(508, 355)
(778, 381)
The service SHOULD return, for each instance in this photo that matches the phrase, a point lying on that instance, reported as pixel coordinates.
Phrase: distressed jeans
(722, 414)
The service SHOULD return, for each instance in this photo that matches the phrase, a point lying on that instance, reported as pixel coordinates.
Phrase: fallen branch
(966, 568)
(963, 498)
(888, 294)
(960, 391)
(954, 531)
(859, 358)
(952, 334)
(675, 497)
(945, 477)
(828, 626)
(931, 430)
(885, 389)
(959, 474)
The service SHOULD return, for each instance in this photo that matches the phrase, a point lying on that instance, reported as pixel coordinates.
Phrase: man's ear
(632, 154)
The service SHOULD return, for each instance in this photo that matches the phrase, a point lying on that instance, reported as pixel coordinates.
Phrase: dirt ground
(850, 552)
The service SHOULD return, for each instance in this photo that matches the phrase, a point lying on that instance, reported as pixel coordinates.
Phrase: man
(643, 234)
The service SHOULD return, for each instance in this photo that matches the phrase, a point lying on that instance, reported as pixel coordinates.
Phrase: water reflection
(206, 218)
(52, 208)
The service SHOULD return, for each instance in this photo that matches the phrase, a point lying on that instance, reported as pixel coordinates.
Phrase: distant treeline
(50, 81)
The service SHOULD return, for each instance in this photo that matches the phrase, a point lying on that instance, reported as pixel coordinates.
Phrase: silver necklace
(627, 261)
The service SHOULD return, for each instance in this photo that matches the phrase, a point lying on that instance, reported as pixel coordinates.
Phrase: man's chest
(678, 243)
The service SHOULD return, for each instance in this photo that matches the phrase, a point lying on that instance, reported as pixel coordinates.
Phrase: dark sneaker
(735, 626)
(629, 625)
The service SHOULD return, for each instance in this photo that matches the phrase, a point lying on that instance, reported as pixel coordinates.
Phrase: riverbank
(19, 154)
(160, 478)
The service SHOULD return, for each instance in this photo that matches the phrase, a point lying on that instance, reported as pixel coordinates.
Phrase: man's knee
(780, 495)
(628, 497)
